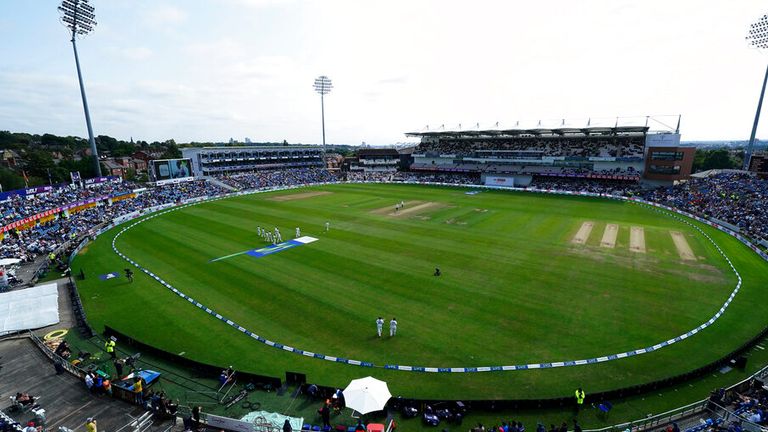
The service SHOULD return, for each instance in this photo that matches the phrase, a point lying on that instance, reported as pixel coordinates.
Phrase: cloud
(137, 53)
(394, 80)
(161, 15)
(258, 3)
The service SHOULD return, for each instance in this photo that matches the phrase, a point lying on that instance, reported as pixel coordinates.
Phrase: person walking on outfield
(393, 327)
(298, 232)
(109, 347)
(278, 236)
(129, 274)
(379, 325)
(327, 226)
(580, 396)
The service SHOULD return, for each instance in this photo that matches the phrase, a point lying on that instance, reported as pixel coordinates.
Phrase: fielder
(278, 236)
(392, 327)
(379, 325)
(327, 226)
(298, 232)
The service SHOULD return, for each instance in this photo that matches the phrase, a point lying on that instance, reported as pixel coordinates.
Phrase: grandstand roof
(257, 147)
(593, 126)
(592, 130)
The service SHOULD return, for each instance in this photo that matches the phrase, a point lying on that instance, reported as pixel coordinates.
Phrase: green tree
(37, 163)
(10, 180)
(106, 143)
(171, 150)
(130, 175)
(704, 160)
(48, 140)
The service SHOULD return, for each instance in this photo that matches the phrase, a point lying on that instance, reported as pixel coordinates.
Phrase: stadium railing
(13, 425)
(657, 420)
(687, 411)
(67, 366)
(727, 415)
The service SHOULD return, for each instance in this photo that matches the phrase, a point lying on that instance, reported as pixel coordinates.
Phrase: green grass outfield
(514, 289)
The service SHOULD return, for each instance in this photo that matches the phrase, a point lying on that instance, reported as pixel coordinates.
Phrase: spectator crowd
(276, 178)
(629, 146)
(740, 199)
(414, 176)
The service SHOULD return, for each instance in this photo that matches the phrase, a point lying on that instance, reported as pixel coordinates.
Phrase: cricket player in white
(327, 226)
(393, 327)
(379, 325)
(278, 236)
(298, 232)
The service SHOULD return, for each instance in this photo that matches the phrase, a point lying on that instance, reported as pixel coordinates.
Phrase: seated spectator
(25, 399)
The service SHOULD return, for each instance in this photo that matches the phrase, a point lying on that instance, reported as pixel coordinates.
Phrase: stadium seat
(306, 426)
(431, 419)
(375, 427)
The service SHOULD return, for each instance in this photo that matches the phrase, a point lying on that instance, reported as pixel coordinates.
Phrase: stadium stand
(616, 152)
(208, 161)
(740, 199)
(626, 151)
(527, 147)
(272, 178)
(422, 177)
(373, 160)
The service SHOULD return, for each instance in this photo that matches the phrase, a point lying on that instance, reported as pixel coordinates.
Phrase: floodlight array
(757, 36)
(78, 16)
(323, 85)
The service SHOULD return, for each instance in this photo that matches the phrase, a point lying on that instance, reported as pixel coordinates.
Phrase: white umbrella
(366, 395)
(9, 261)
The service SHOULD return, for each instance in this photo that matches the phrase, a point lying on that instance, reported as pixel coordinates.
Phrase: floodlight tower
(78, 17)
(323, 86)
(757, 37)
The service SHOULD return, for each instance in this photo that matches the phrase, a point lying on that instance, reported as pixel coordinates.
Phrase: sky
(211, 70)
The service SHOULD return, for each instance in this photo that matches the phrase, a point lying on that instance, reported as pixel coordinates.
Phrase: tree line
(707, 159)
(48, 159)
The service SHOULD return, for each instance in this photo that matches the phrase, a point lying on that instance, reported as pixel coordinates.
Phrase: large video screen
(170, 169)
